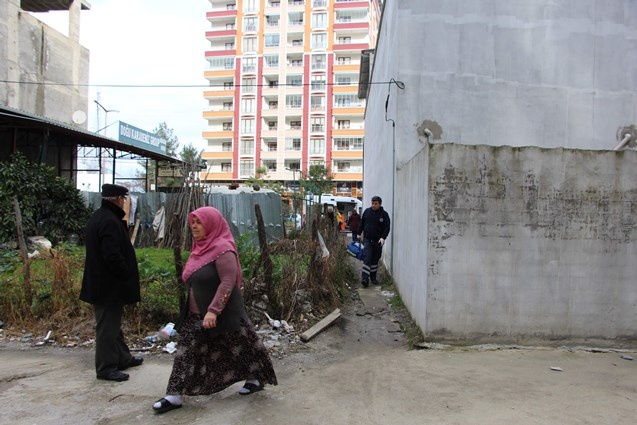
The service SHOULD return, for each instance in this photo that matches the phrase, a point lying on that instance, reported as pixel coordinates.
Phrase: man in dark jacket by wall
(111, 280)
(375, 228)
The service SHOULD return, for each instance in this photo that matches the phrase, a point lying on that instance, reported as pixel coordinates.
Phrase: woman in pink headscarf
(216, 326)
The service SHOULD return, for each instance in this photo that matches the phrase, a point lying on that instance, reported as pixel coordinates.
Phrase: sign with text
(137, 137)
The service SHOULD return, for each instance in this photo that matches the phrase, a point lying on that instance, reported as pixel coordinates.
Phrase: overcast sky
(145, 42)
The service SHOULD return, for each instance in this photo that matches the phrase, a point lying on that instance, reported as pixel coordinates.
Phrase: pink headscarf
(218, 241)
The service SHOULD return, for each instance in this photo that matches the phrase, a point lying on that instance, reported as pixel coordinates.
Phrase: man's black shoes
(364, 284)
(114, 375)
(134, 361)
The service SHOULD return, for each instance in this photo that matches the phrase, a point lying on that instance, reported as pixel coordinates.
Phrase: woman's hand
(210, 320)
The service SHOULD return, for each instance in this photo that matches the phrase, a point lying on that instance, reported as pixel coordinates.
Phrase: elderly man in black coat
(111, 280)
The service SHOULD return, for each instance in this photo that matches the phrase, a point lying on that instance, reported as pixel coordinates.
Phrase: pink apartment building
(283, 89)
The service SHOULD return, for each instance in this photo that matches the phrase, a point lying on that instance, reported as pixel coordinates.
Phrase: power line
(37, 83)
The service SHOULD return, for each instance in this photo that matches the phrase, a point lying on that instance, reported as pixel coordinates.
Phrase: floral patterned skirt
(205, 365)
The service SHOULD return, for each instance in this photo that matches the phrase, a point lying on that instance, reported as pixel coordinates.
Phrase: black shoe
(134, 361)
(374, 282)
(364, 284)
(114, 375)
(250, 388)
(166, 406)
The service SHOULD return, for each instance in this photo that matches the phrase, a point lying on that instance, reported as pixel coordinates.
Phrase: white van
(341, 203)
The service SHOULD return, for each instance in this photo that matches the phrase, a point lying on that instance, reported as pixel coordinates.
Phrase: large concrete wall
(529, 243)
(503, 73)
(52, 69)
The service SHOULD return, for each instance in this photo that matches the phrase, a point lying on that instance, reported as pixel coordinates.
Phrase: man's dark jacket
(111, 276)
(374, 224)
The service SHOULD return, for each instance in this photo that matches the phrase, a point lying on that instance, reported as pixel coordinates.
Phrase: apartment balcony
(348, 132)
(269, 112)
(358, 110)
(269, 155)
(215, 176)
(296, 5)
(221, 93)
(216, 14)
(349, 154)
(351, 26)
(350, 67)
(348, 4)
(347, 176)
(221, 134)
(213, 35)
(350, 47)
(222, 113)
(220, 52)
(207, 155)
(269, 133)
(345, 89)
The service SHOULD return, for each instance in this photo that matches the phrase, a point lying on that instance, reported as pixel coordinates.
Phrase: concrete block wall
(52, 69)
(531, 244)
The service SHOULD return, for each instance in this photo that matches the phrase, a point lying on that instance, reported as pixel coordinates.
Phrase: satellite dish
(79, 117)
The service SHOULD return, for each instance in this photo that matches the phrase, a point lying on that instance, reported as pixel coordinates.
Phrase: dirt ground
(358, 371)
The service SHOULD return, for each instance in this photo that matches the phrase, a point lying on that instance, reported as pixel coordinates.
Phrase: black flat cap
(113, 190)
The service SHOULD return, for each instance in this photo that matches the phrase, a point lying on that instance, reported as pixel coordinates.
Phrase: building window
(272, 146)
(342, 167)
(293, 144)
(273, 84)
(295, 125)
(317, 124)
(348, 143)
(249, 65)
(229, 46)
(319, 41)
(249, 85)
(293, 165)
(247, 106)
(294, 80)
(246, 147)
(231, 26)
(347, 100)
(227, 126)
(270, 165)
(271, 61)
(246, 168)
(226, 167)
(296, 62)
(272, 125)
(227, 106)
(226, 147)
(273, 104)
(317, 146)
(343, 81)
(343, 124)
(250, 24)
(247, 126)
(319, 20)
(272, 40)
(297, 43)
(249, 44)
(318, 62)
(344, 60)
(317, 103)
(228, 85)
(318, 82)
(272, 20)
(344, 40)
(293, 101)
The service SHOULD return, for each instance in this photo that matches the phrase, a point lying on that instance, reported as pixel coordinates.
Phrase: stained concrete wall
(52, 69)
(500, 73)
(531, 243)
